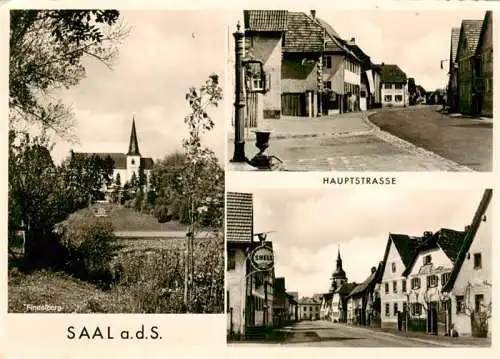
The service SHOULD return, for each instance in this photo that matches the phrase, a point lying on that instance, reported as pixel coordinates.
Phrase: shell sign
(262, 258)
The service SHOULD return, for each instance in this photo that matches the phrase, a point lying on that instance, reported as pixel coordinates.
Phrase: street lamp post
(239, 102)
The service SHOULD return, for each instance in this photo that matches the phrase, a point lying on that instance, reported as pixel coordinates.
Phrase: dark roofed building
(448, 240)
(468, 91)
(392, 74)
(394, 87)
(126, 165)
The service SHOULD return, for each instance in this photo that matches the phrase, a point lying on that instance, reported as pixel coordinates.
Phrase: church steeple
(338, 277)
(133, 147)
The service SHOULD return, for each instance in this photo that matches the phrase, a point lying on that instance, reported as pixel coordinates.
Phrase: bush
(91, 245)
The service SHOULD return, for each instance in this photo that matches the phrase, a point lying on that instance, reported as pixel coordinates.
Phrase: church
(126, 165)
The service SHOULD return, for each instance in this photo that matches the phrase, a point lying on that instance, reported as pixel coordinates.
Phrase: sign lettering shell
(262, 258)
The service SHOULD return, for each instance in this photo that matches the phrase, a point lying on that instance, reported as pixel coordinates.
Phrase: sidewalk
(351, 124)
(464, 341)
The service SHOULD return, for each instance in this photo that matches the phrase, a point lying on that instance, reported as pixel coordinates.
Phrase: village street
(416, 139)
(328, 334)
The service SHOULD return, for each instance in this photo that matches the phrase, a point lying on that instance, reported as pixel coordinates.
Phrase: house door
(432, 321)
(293, 104)
(363, 101)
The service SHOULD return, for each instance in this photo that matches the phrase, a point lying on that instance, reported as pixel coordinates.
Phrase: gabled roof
(265, 20)
(345, 289)
(455, 36)
(239, 217)
(448, 240)
(406, 246)
(469, 238)
(470, 32)
(392, 74)
(303, 34)
(488, 18)
(369, 283)
(363, 58)
(119, 159)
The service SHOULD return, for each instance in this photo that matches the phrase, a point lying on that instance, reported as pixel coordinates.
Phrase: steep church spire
(133, 147)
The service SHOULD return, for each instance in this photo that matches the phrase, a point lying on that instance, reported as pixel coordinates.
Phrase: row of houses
(256, 300)
(312, 71)
(470, 85)
(439, 282)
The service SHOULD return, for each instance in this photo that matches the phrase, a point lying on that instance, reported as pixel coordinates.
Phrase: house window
(231, 259)
(395, 308)
(386, 288)
(227, 302)
(416, 309)
(405, 307)
(394, 287)
(387, 309)
(398, 98)
(478, 303)
(328, 85)
(445, 277)
(460, 304)
(393, 267)
(415, 283)
(388, 98)
(328, 62)
(310, 309)
(387, 86)
(427, 259)
(432, 281)
(399, 86)
(403, 285)
(477, 261)
(132, 161)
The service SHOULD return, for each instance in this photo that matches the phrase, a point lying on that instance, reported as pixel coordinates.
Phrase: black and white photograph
(116, 161)
(372, 90)
(359, 268)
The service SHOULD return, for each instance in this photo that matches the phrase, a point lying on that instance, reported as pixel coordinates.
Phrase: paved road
(466, 141)
(351, 143)
(327, 334)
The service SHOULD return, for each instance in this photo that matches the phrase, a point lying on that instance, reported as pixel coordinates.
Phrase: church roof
(119, 159)
(133, 147)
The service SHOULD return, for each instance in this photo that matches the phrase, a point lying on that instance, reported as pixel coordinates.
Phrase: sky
(312, 224)
(166, 53)
(416, 41)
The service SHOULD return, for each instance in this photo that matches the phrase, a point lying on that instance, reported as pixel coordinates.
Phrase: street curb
(290, 135)
(410, 147)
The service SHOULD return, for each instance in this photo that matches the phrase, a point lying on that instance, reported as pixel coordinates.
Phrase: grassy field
(152, 282)
(127, 219)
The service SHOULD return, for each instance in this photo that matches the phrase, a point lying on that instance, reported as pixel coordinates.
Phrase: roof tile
(265, 20)
(239, 222)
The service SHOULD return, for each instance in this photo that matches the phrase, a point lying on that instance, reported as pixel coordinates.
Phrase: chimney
(427, 234)
(313, 14)
(353, 41)
(374, 270)
(467, 228)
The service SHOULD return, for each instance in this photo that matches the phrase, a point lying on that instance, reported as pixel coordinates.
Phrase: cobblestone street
(352, 143)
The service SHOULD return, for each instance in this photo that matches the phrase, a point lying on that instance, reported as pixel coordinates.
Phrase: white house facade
(470, 284)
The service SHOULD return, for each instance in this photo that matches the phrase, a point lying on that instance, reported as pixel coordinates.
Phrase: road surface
(327, 334)
(466, 141)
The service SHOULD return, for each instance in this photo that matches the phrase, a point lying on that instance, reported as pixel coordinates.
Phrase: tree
(84, 178)
(200, 160)
(46, 52)
(479, 314)
(33, 198)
